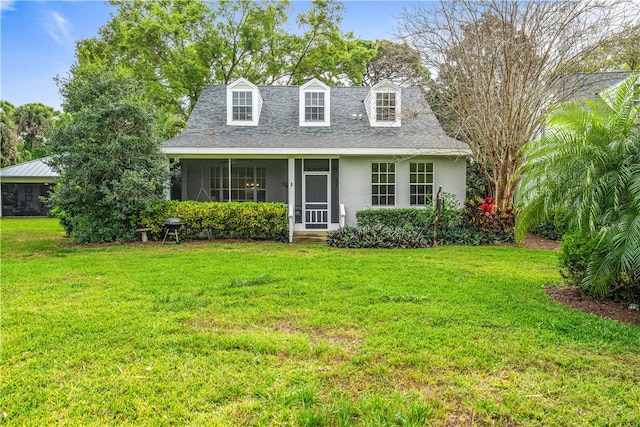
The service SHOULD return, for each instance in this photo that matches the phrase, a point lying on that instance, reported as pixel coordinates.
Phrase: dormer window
(242, 106)
(383, 105)
(315, 104)
(386, 107)
(244, 103)
(314, 107)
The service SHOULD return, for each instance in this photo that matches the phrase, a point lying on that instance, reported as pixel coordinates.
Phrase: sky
(37, 39)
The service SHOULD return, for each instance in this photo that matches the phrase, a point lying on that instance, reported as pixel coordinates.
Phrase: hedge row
(478, 223)
(214, 220)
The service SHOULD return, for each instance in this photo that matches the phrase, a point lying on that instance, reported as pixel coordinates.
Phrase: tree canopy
(25, 130)
(9, 139)
(397, 62)
(175, 47)
(499, 63)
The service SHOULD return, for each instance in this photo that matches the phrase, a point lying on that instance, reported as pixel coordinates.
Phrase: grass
(269, 334)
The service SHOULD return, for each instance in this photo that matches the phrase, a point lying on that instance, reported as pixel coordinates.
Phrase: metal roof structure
(33, 171)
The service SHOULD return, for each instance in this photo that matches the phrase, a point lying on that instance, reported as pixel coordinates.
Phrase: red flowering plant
(483, 215)
(488, 206)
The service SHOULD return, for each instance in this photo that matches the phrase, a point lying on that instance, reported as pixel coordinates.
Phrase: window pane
(242, 105)
(421, 183)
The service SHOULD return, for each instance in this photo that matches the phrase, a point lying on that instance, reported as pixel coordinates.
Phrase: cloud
(58, 28)
(7, 5)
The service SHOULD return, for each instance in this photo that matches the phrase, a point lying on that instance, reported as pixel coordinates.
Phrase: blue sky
(38, 39)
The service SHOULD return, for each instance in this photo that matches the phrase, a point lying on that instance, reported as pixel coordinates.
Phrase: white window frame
(243, 85)
(376, 181)
(371, 104)
(314, 86)
(425, 175)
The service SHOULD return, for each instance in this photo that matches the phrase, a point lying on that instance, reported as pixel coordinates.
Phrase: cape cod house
(327, 152)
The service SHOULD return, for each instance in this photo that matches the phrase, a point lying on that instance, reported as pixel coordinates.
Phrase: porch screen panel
(298, 201)
(248, 184)
(220, 184)
(335, 194)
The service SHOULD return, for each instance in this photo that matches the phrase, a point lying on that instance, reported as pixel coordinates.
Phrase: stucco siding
(355, 181)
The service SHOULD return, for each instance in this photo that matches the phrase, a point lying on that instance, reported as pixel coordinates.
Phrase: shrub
(471, 226)
(553, 227)
(213, 220)
(576, 249)
(493, 224)
(377, 237)
(579, 253)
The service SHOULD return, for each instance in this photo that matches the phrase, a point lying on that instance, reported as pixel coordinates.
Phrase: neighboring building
(588, 85)
(327, 152)
(22, 186)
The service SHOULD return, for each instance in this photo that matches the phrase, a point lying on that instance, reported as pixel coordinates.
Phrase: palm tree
(33, 122)
(588, 162)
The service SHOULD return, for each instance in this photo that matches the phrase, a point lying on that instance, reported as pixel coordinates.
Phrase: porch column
(291, 196)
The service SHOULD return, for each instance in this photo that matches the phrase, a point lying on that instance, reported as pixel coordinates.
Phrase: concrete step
(309, 237)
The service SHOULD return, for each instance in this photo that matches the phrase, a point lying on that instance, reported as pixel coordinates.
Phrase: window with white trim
(383, 184)
(314, 106)
(420, 183)
(386, 107)
(248, 184)
(242, 106)
(383, 105)
(244, 103)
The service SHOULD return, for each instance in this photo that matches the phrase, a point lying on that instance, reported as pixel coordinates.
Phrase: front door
(316, 200)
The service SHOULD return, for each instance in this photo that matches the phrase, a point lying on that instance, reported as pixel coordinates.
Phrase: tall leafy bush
(108, 154)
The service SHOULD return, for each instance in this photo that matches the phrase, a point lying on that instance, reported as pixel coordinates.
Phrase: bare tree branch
(499, 64)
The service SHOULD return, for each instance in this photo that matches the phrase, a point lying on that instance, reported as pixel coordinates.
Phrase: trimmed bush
(574, 256)
(214, 220)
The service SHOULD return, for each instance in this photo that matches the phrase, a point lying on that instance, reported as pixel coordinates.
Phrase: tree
(588, 162)
(9, 140)
(107, 150)
(175, 47)
(397, 62)
(167, 45)
(322, 50)
(33, 123)
(621, 51)
(499, 63)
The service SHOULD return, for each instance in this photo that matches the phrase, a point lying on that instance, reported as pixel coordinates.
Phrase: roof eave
(258, 152)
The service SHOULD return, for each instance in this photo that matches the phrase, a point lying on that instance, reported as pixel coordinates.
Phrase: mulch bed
(572, 296)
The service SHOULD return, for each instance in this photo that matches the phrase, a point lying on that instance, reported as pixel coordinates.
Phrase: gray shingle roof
(588, 85)
(279, 129)
(37, 169)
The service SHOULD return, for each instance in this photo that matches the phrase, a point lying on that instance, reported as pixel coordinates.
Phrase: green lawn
(275, 334)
